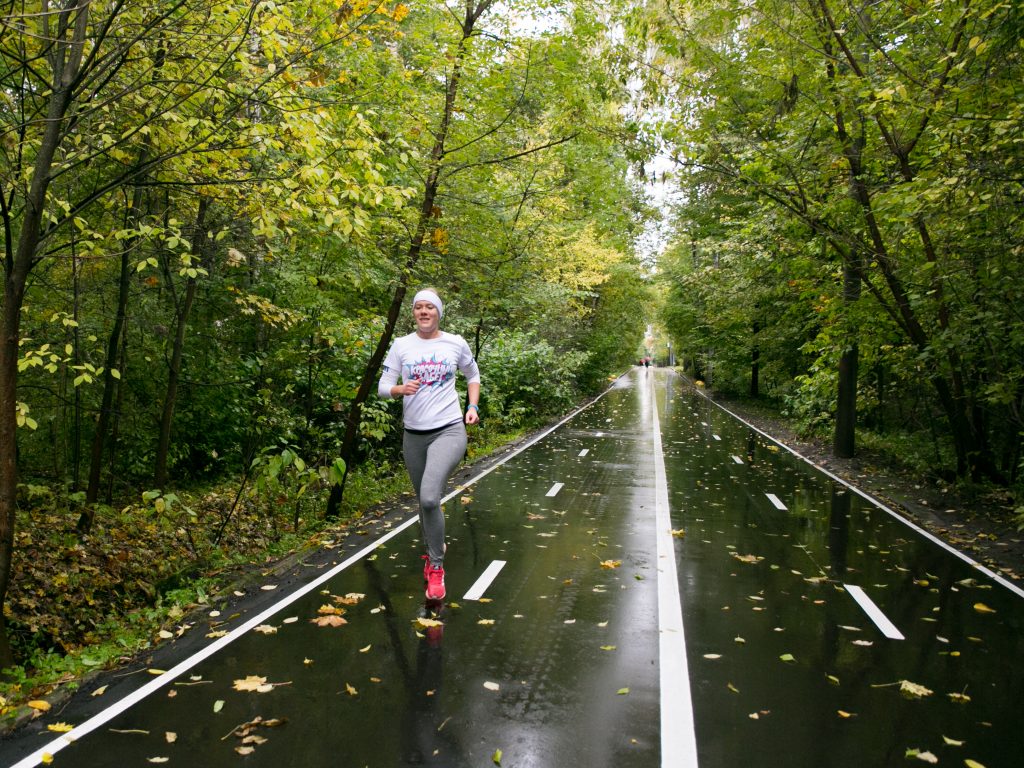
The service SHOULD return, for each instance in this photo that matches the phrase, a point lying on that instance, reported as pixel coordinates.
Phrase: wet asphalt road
(558, 663)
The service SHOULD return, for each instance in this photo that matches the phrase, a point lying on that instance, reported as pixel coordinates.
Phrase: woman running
(435, 428)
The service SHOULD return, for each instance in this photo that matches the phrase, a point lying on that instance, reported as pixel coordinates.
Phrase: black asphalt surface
(558, 664)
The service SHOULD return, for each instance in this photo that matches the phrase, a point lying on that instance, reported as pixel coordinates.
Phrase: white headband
(428, 295)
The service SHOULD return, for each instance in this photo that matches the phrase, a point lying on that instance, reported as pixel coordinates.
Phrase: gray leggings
(430, 459)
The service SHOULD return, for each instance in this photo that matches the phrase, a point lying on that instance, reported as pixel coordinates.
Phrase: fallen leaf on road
(352, 598)
(253, 683)
(59, 727)
(913, 690)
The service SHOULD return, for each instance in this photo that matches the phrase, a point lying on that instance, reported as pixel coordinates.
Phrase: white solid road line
(678, 736)
(480, 586)
(555, 489)
(776, 501)
(874, 612)
(115, 709)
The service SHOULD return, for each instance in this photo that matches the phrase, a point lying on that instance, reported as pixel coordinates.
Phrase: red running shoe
(435, 582)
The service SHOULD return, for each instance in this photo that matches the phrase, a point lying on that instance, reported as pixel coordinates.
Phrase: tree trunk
(755, 364)
(174, 368)
(65, 58)
(844, 442)
(412, 255)
(99, 437)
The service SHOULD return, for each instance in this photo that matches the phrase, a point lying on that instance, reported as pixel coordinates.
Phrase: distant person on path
(435, 428)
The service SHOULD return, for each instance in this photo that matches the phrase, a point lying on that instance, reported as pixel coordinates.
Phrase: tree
(854, 123)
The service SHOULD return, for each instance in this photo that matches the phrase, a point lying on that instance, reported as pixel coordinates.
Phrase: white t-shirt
(432, 362)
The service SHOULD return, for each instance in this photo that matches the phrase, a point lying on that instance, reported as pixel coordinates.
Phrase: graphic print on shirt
(430, 373)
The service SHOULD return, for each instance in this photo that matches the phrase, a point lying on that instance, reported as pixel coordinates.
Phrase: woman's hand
(406, 388)
(472, 415)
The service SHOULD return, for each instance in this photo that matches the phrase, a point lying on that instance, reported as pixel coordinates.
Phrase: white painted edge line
(678, 735)
(553, 491)
(999, 579)
(776, 501)
(584, 452)
(716, 437)
(115, 709)
(486, 578)
(874, 612)
(737, 459)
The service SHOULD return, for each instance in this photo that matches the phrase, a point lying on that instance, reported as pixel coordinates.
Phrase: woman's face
(426, 316)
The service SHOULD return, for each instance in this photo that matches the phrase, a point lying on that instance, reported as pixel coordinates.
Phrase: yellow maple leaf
(253, 683)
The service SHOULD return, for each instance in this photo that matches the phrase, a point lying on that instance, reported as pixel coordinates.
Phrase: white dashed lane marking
(775, 500)
(555, 489)
(486, 578)
(874, 612)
